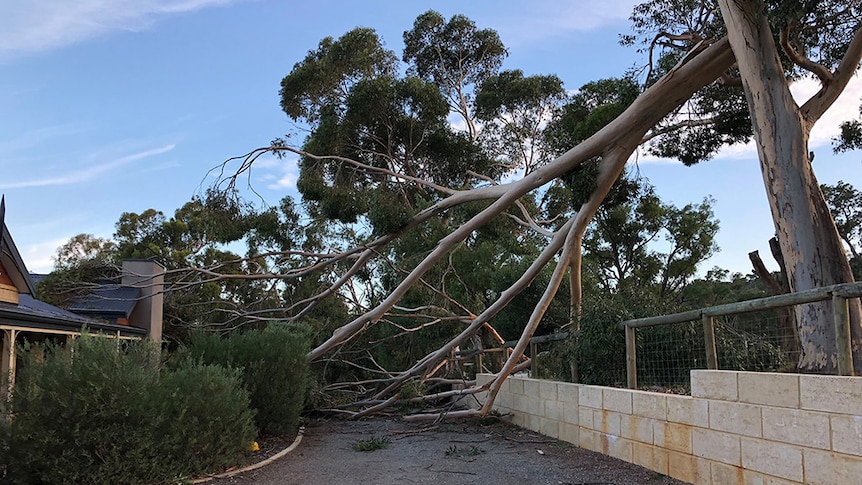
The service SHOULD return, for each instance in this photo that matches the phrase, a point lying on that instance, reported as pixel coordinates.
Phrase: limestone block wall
(742, 428)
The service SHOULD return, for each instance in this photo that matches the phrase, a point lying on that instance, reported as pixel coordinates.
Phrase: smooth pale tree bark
(809, 240)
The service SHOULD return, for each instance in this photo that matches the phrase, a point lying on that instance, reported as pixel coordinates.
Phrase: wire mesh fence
(754, 335)
(660, 352)
(745, 342)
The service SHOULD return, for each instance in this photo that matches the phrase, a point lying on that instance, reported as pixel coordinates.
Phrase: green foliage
(850, 137)
(514, 110)
(90, 414)
(617, 244)
(360, 109)
(510, 322)
(512, 92)
(213, 218)
(451, 52)
(746, 343)
(599, 345)
(667, 353)
(594, 106)
(581, 183)
(654, 16)
(193, 237)
(720, 287)
(210, 405)
(85, 249)
(316, 81)
(273, 366)
(845, 204)
(729, 124)
(372, 444)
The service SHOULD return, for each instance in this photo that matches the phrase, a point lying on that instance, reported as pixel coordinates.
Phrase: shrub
(274, 369)
(90, 414)
(600, 346)
(211, 423)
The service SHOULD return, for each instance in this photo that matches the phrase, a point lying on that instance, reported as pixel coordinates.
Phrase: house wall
(735, 428)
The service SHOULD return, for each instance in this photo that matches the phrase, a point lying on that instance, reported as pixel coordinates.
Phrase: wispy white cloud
(545, 18)
(88, 173)
(280, 174)
(39, 25)
(844, 109)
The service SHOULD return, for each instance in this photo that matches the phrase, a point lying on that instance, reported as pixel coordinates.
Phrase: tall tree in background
(454, 55)
(619, 244)
(845, 203)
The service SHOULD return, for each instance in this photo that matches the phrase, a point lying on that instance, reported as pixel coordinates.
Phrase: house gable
(12, 266)
(8, 290)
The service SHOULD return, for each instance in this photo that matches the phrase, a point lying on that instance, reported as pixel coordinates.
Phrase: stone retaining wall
(736, 427)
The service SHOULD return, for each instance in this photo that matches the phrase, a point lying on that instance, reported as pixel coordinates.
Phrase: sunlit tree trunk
(806, 232)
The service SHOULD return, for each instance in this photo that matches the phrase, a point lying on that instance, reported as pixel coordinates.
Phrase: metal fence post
(709, 341)
(841, 315)
(631, 359)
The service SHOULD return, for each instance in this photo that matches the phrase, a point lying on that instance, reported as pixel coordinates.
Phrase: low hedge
(90, 414)
(274, 369)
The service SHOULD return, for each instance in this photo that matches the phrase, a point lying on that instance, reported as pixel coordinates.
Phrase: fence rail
(839, 294)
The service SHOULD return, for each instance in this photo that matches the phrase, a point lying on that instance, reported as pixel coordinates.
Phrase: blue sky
(112, 106)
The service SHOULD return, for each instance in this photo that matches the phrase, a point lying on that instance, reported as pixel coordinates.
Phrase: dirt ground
(458, 452)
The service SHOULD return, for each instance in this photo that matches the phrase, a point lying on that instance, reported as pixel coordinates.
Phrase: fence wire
(744, 342)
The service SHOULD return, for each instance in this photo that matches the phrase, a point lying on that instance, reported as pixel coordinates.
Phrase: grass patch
(371, 444)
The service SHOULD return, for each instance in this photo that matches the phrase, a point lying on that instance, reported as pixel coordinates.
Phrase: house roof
(116, 301)
(35, 314)
(32, 313)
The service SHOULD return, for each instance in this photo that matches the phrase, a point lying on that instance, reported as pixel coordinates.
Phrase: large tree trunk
(809, 239)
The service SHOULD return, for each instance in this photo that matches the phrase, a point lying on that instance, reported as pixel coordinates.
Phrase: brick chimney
(149, 276)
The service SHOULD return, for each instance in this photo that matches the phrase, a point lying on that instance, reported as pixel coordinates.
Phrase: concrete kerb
(255, 466)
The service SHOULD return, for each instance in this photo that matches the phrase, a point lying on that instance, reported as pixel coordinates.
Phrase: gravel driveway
(455, 452)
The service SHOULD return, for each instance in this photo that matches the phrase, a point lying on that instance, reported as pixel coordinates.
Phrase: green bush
(212, 422)
(600, 345)
(274, 369)
(90, 414)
